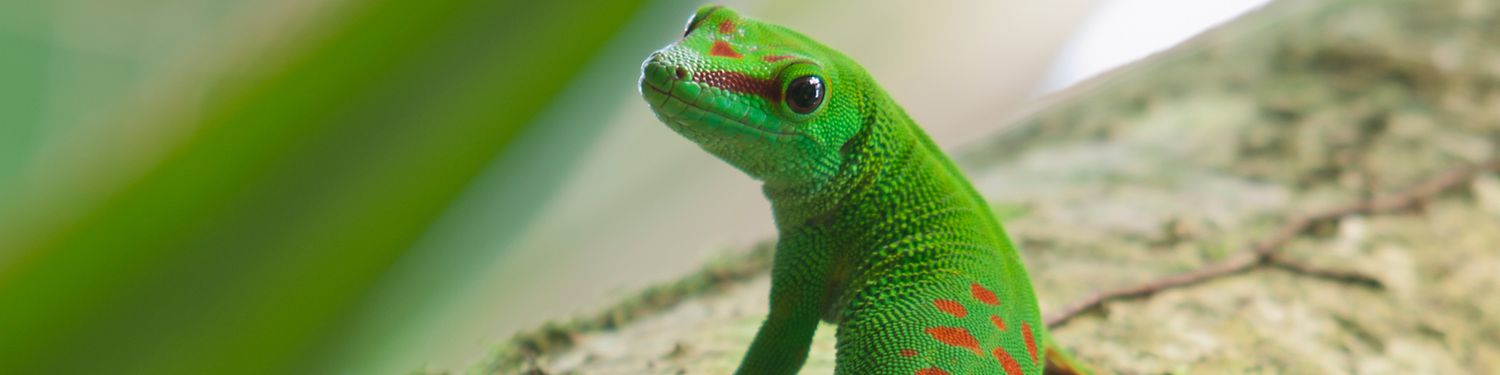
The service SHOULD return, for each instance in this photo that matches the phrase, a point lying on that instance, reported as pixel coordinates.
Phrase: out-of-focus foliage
(294, 184)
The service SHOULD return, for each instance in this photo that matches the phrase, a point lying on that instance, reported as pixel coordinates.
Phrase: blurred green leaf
(307, 178)
(437, 308)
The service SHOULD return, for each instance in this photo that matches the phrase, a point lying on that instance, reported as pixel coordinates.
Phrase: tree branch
(1266, 252)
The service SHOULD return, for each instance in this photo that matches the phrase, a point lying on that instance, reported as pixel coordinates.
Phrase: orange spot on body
(726, 27)
(1030, 340)
(1007, 362)
(722, 49)
(931, 371)
(955, 336)
(775, 58)
(908, 353)
(999, 323)
(984, 295)
(951, 307)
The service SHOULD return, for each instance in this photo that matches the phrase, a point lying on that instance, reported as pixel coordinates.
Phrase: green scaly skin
(879, 232)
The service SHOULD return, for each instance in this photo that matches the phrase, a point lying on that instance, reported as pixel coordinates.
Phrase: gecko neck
(888, 157)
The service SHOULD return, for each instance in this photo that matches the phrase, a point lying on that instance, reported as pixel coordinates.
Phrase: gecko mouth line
(667, 95)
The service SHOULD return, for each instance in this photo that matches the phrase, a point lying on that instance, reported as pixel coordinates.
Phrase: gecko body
(879, 232)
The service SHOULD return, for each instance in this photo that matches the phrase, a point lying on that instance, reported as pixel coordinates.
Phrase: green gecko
(879, 232)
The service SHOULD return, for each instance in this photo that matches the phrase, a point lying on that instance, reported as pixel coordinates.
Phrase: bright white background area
(1120, 31)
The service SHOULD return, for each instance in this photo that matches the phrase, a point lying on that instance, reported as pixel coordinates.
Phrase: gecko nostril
(681, 73)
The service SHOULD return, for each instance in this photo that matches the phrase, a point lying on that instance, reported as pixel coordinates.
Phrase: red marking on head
(951, 307)
(1030, 340)
(726, 27)
(739, 83)
(775, 58)
(722, 49)
(984, 295)
(999, 323)
(931, 371)
(1006, 362)
(908, 353)
(955, 336)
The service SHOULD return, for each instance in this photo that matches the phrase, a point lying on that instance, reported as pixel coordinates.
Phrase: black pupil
(804, 94)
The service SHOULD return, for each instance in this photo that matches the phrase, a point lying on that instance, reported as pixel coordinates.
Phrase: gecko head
(767, 100)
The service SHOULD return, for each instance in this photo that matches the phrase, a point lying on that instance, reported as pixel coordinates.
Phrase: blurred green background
(346, 186)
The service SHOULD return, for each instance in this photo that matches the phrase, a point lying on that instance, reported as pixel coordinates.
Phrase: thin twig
(1339, 275)
(1265, 253)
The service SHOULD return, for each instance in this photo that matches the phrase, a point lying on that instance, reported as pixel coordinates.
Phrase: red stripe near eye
(722, 49)
(739, 83)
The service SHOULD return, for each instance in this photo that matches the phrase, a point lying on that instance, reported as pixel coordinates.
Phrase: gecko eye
(804, 94)
(698, 18)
